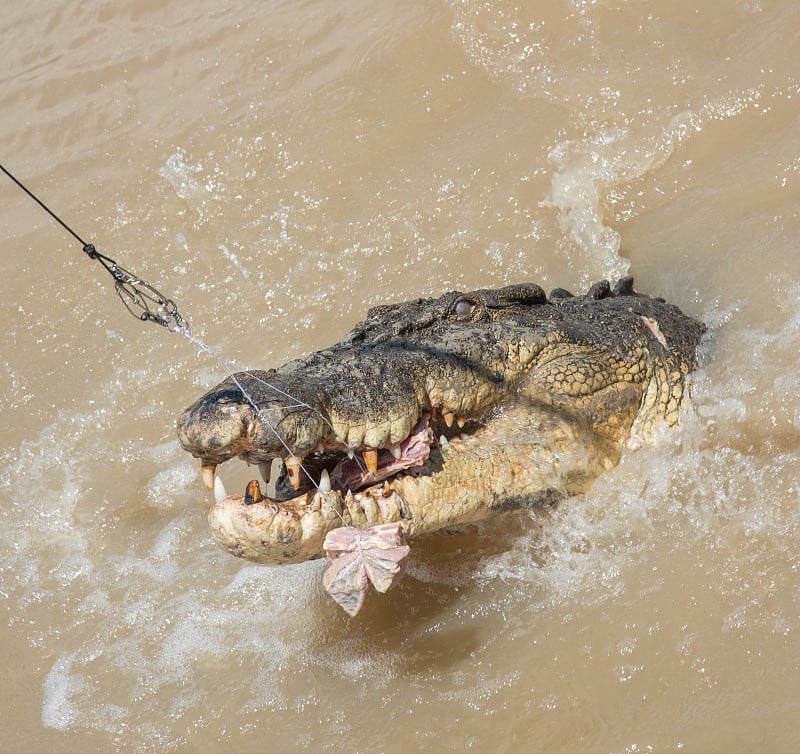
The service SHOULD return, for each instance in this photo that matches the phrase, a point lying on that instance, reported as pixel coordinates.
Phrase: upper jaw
(287, 416)
(290, 476)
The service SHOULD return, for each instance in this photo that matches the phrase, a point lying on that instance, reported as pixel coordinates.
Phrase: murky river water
(280, 167)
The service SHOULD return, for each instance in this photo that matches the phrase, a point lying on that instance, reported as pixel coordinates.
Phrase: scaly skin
(551, 392)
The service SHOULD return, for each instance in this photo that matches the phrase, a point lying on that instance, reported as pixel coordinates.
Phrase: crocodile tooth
(293, 464)
(264, 469)
(443, 443)
(207, 472)
(253, 492)
(461, 421)
(396, 451)
(448, 418)
(276, 470)
(371, 460)
(319, 447)
(325, 481)
(219, 491)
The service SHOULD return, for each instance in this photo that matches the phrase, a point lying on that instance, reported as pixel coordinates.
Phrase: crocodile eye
(464, 308)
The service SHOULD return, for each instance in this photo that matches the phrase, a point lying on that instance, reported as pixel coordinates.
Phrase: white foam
(58, 711)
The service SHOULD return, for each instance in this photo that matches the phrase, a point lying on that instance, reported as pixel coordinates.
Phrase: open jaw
(329, 470)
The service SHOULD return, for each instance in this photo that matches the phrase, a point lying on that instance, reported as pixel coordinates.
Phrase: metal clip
(146, 302)
(142, 300)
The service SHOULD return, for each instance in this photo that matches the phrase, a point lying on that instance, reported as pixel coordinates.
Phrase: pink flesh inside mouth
(350, 474)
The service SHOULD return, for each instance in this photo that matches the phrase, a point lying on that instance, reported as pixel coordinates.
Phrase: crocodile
(440, 412)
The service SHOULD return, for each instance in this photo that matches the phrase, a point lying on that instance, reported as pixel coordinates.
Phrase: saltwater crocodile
(435, 413)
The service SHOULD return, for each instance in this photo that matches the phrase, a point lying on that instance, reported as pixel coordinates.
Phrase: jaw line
(356, 478)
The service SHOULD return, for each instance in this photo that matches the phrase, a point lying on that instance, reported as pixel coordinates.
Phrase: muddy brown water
(280, 167)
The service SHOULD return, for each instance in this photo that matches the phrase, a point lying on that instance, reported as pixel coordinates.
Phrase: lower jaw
(293, 531)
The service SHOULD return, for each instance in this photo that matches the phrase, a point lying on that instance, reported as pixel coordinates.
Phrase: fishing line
(140, 298)
(148, 304)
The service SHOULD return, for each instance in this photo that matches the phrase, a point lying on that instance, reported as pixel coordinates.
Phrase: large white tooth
(276, 468)
(219, 491)
(443, 441)
(396, 451)
(461, 421)
(264, 469)
(207, 472)
(325, 482)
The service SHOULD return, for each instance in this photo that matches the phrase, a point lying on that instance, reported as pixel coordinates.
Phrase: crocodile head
(369, 408)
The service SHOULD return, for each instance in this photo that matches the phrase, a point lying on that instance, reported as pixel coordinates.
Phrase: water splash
(184, 177)
(591, 174)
